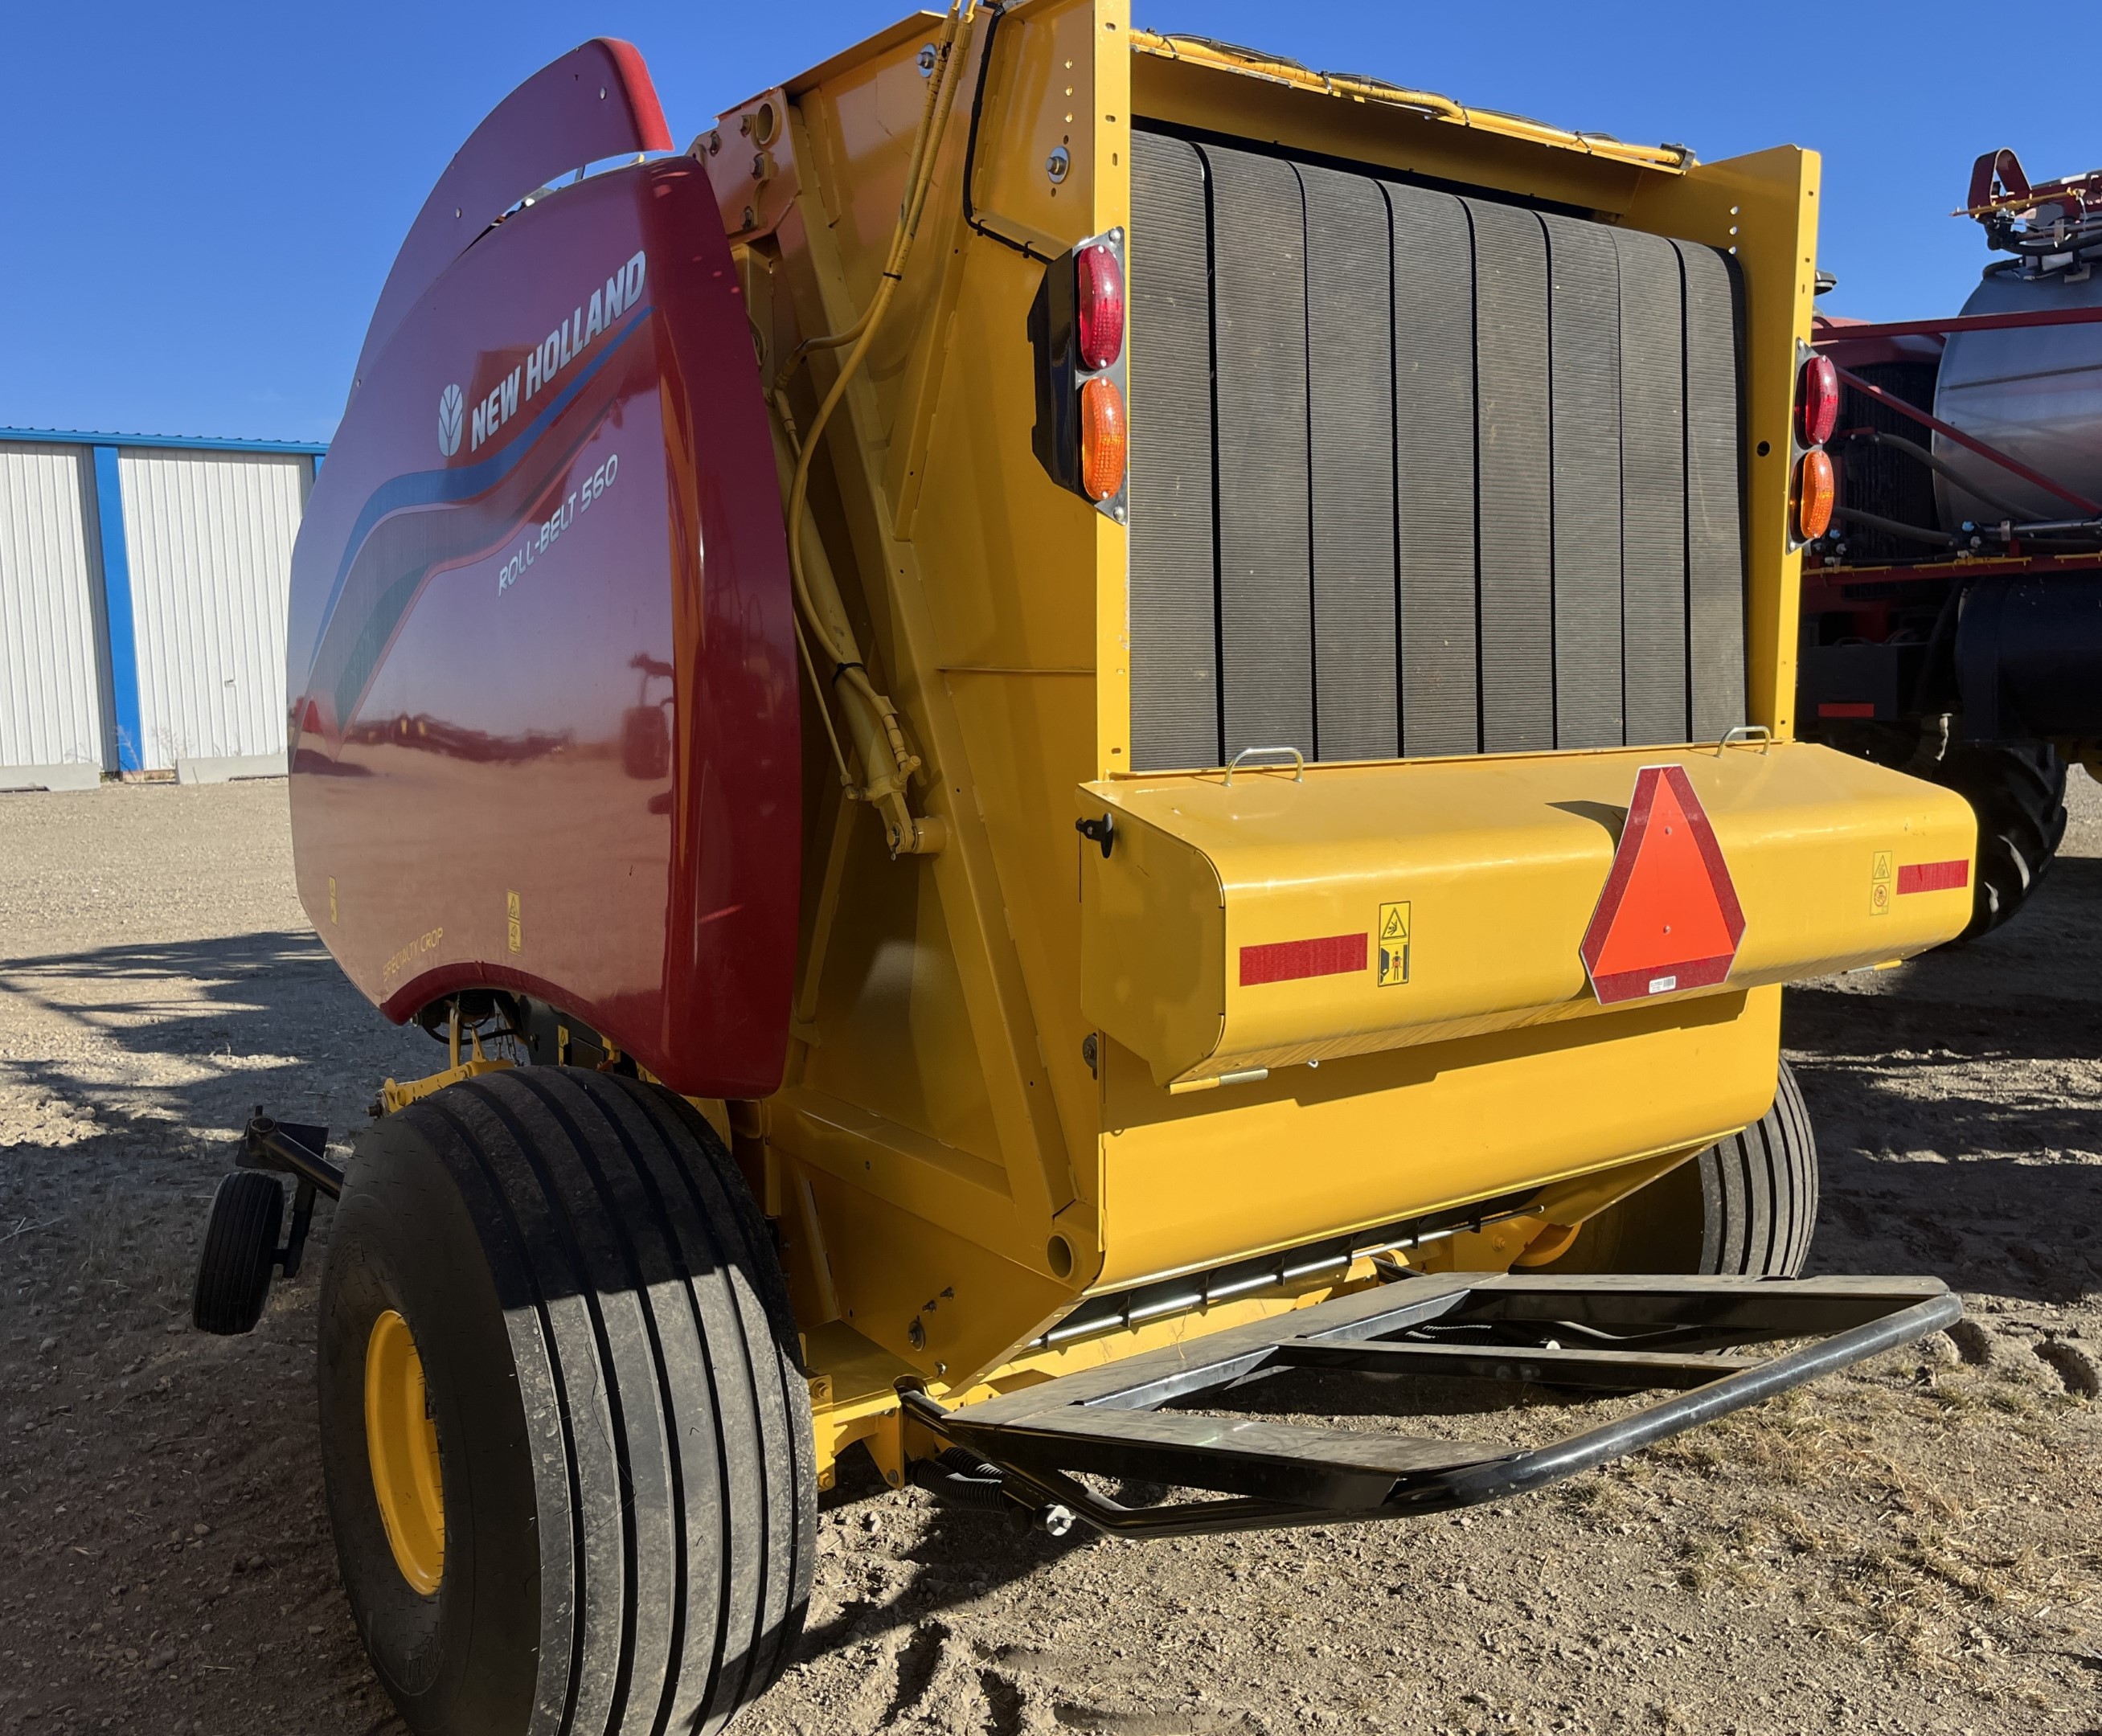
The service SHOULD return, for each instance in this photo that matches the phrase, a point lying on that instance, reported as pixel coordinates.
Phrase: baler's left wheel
(566, 1441)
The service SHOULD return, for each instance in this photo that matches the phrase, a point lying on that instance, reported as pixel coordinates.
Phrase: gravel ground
(1909, 1548)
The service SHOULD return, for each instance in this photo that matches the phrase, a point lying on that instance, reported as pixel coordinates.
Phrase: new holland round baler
(1071, 717)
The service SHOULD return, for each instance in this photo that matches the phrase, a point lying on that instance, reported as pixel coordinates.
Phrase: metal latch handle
(1298, 762)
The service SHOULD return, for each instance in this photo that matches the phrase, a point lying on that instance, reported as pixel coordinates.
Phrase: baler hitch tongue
(1602, 1334)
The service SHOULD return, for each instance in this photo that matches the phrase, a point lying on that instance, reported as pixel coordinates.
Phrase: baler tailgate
(1633, 1333)
(1309, 912)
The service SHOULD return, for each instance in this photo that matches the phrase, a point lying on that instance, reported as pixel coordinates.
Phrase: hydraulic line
(886, 773)
(886, 760)
(1936, 463)
(1896, 528)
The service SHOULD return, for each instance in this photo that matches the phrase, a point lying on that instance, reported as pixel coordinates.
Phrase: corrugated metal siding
(50, 686)
(211, 539)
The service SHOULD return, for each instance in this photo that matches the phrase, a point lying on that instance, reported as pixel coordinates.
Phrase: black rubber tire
(239, 1252)
(2018, 793)
(624, 1436)
(1745, 1207)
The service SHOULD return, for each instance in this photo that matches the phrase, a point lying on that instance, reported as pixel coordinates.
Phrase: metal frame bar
(1629, 1333)
(1829, 336)
(293, 1149)
(2036, 478)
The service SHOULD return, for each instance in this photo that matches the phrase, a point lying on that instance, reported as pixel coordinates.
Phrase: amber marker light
(1098, 306)
(1817, 405)
(1103, 438)
(1813, 495)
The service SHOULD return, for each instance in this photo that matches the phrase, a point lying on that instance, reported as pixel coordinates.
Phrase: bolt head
(1058, 165)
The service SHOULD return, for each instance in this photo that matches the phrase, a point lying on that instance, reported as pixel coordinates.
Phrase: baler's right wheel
(1747, 1206)
(566, 1441)
(2018, 793)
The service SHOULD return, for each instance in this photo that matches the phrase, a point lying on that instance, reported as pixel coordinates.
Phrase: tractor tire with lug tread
(1747, 1206)
(239, 1252)
(627, 1490)
(2018, 793)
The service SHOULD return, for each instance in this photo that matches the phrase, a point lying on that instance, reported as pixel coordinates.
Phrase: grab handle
(1298, 762)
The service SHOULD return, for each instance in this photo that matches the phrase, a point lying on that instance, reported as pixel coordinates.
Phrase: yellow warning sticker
(514, 937)
(1394, 930)
(1880, 875)
(331, 897)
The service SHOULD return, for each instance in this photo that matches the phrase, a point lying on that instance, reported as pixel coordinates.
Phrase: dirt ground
(1911, 1547)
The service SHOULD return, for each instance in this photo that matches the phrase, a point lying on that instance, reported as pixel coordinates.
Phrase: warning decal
(1879, 885)
(1667, 918)
(1392, 944)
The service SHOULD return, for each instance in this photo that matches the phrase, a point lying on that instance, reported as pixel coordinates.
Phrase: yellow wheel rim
(402, 1444)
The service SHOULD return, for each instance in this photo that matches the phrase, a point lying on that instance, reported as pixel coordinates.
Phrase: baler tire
(239, 1251)
(1747, 1206)
(624, 1429)
(2018, 793)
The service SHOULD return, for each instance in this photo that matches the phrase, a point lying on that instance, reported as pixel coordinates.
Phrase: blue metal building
(143, 582)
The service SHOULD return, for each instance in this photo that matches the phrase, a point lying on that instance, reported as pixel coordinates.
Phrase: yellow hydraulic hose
(886, 760)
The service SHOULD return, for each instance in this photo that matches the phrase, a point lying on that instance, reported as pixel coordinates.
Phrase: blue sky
(200, 202)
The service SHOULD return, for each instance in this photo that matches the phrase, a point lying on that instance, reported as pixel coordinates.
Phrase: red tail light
(1814, 495)
(1817, 401)
(1099, 300)
(1103, 439)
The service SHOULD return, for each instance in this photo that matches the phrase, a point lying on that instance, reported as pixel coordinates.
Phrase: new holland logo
(452, 411)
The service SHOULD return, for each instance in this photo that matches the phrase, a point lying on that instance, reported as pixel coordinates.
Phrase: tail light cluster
(1817, 414)
(1078, 330)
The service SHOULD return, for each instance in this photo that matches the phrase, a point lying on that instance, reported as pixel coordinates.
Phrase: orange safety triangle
(1667, 918)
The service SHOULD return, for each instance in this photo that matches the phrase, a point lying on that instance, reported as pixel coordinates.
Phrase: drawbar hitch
(1600, 1335)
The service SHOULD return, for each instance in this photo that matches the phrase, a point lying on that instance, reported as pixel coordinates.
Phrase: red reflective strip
(1933, 877)
(1287, 961)
(1845, 708)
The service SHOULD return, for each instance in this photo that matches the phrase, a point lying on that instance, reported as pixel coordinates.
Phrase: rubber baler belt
(1434, 395)
(1584, 293)
(1652, 489)
(1470, 472)
(1174, 614)
(1259, 392)
(1714, 536)
(1350, 429)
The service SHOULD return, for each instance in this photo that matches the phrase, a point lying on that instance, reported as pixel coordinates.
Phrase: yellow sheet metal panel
(1191, 1181)
(1762, 209)
(942, 1301)
(1153, 939)
(1237, 105)
(1480, 876)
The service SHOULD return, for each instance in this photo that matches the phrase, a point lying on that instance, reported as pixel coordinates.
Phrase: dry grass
(1787, 1500)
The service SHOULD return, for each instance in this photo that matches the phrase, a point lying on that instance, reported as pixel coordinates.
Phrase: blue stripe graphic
(426, 488)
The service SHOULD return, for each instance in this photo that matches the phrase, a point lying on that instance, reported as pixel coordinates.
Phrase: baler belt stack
(1475, 468)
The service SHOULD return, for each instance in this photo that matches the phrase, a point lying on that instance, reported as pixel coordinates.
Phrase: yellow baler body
(979, 1129)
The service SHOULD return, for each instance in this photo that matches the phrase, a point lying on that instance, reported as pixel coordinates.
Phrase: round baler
(1007, 819)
